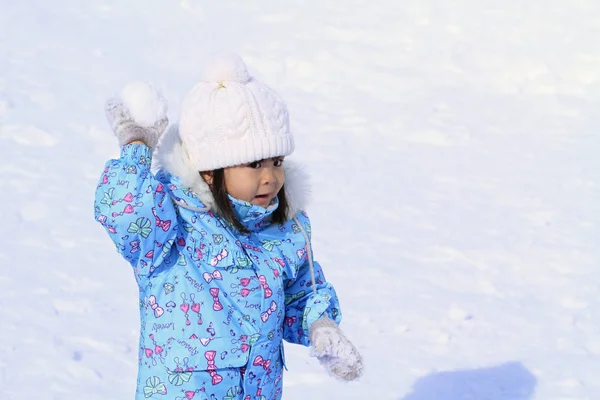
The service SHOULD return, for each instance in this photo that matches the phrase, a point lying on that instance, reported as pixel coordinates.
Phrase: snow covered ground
(454, 148)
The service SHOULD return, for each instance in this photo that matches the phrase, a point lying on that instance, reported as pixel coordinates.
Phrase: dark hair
(220, 194)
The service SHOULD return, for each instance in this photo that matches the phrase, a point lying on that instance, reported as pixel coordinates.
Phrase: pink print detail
(128, 197)
(199, 253)
(185, 307)
(279, 261)
(261, 362)
(158, 311)
(209, 277)
(135, 246)
(163, 224)
(148, 353)
(246, 245)
(245, 281)
(210, 357)
(196, 308)
(265, 316)
(263, 283)
(127, 210)
(217, 306)
(301, 253)
(102, 220)
(219, 257)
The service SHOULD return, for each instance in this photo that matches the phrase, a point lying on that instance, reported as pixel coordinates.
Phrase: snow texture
(146, 104)
(453, 148)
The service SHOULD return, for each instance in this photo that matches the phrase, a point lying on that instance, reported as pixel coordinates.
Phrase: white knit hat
(229, 118)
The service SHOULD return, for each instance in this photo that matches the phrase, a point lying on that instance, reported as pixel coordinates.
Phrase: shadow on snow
(510, 381)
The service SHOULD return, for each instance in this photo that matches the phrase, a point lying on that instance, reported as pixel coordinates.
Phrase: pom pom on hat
(225, 68)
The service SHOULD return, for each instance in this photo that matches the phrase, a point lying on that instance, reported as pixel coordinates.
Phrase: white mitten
(334, 351)
(138, 113)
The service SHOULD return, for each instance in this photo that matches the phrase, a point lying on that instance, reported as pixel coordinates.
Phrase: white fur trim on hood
(172, 156)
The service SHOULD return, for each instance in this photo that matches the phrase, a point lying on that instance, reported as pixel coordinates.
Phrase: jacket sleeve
(304, 305)
(136, 210)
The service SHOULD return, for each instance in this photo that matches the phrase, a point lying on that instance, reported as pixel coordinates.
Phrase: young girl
(218, 241)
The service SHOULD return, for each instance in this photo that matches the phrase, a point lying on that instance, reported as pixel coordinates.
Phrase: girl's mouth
(262, 197)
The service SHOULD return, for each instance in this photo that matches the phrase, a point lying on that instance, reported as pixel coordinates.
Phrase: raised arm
(130, 203)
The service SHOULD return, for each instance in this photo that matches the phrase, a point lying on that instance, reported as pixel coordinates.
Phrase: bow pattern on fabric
(217, 306)
(210, 357)
(263, 283)
(158, 311)
(270, 244)
(141, 226)
(259, 361)
(154, 386)
(208, 277)
(163, 224)
(291, 297)
(265, 316)
(219, 257)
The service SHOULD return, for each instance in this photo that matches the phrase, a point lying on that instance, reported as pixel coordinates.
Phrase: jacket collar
(190, 191)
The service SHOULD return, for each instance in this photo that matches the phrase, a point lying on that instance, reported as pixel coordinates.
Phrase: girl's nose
(268, 175)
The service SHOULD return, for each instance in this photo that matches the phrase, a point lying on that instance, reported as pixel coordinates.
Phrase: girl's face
(257, 183)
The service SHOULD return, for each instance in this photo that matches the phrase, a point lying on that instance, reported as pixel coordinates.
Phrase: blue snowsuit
(215, 304)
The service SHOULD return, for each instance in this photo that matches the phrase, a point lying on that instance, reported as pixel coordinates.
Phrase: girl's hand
(149, 123)
(334, 351)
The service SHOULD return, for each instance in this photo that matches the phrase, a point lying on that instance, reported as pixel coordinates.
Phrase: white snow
(453, 147)
(145, 103)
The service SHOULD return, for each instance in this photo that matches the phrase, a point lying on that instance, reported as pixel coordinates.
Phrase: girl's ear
(207, 176)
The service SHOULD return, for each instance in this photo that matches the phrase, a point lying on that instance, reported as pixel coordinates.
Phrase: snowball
(225, 68)
(146, 104)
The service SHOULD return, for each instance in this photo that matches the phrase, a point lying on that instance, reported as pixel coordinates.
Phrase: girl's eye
(278, 162)
(254, 165)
